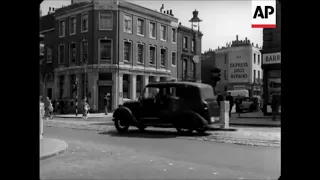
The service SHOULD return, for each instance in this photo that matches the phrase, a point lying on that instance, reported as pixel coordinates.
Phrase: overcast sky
(222, 19)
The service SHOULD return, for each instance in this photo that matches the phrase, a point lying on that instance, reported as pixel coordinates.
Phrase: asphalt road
(191, 159)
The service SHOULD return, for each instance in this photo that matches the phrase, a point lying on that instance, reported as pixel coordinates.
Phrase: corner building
(113, 47)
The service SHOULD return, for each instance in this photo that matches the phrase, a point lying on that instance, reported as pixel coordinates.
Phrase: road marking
(215, 173)
(170, 164)
(190, 168)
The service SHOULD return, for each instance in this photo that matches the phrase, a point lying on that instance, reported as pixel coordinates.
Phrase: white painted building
(240, 64)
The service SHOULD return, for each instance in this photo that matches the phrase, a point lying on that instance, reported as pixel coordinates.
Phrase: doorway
(103, 90)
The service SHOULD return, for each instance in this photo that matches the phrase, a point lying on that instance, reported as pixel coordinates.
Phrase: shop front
(272, 79)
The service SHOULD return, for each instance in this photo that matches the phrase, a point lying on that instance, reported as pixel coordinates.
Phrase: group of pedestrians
(48, 107)
(275, 104)
(237, 102)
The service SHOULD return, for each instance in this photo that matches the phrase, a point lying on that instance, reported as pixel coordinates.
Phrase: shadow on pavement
(103, 124)
(135, 133)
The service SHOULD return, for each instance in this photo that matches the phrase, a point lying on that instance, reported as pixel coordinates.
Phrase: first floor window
(105, 50)
(174, 58)
(163, 57)
(152, 55)
(61, 54)
(140, 53)
(127, 51)
(73, 52)
(49, 54)
(84, 47)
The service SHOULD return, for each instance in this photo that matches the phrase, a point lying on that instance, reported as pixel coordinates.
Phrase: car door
(149, 107)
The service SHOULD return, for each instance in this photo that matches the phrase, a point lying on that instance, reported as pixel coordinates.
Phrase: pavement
(51, 147)
(255, 119)
(99, 155)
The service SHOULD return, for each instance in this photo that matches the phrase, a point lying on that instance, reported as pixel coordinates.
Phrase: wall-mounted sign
(238, 67)
(271, 58)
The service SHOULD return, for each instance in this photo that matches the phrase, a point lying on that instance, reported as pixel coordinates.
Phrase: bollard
(224, 114)
(41, 119)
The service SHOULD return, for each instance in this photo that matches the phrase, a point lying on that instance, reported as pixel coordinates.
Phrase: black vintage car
(186, 106)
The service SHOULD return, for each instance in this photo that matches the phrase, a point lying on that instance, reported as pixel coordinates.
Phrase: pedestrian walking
(86, 109)
(238, 104)
(106, 102)
(274, 106)
(46, 107)
(219, 98)
(230, 99)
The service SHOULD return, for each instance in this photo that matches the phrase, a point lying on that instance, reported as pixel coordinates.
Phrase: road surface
(97, 155)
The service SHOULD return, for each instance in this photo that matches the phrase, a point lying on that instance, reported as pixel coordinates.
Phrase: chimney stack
(167, 11)
(162, 7)
(53, 9)
(237, 38)
(246, 40)
(171, 12)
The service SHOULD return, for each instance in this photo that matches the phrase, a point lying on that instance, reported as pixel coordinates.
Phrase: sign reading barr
(238, 67)
(271, 58)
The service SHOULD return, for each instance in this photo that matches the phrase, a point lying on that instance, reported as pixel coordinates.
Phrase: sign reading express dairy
(271, 58)
(238, 67)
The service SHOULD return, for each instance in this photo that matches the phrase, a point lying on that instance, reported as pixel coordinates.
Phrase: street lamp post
(85, 80)
(195, 19)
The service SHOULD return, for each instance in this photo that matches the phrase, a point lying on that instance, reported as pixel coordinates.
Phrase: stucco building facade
(111, 47)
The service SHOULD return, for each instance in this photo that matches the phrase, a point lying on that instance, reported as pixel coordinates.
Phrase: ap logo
(263, 13)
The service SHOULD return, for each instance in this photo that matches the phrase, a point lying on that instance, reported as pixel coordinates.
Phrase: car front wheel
(120, 128)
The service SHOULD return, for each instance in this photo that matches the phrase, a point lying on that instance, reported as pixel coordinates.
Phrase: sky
(222, 20)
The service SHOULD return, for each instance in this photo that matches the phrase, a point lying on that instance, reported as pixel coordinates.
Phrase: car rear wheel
(201, 131)
(142, 127)
(120, 128)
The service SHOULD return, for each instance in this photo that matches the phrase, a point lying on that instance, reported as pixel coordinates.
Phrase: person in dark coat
(230, 99)
(238, 104)
(274, 106)
(106, 100)
(61, 106)
(219, 98)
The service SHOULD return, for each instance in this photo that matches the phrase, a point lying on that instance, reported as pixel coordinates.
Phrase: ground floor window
(139, 87)
(126, 84)
(273, 83)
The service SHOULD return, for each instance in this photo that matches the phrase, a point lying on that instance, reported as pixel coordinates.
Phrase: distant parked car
(186, 106)
(249, 104)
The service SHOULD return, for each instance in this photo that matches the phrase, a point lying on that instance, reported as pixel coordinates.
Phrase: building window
(258, 75)
(73, 25)
(140, 53)
(192, 46)
(173, 56)
(152, 30)
(254, 76)
(163, 57)
(258, 59)
(84, 23)
(128, 23)
(61, 83)
(225, 75)
(254, 58)
(105, 50)
(62, 28)
(163, 32)
(105, 21)
(152, 55)
(61, 53)
(185, 43)
(192, 69)
(184, 69)
(84, 51)
(174, 33)
(72, 52)
(49, 54)
(140, 27)
(72, 80)
(127, 51)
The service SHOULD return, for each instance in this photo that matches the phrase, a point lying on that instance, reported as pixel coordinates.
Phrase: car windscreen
(207, 93)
